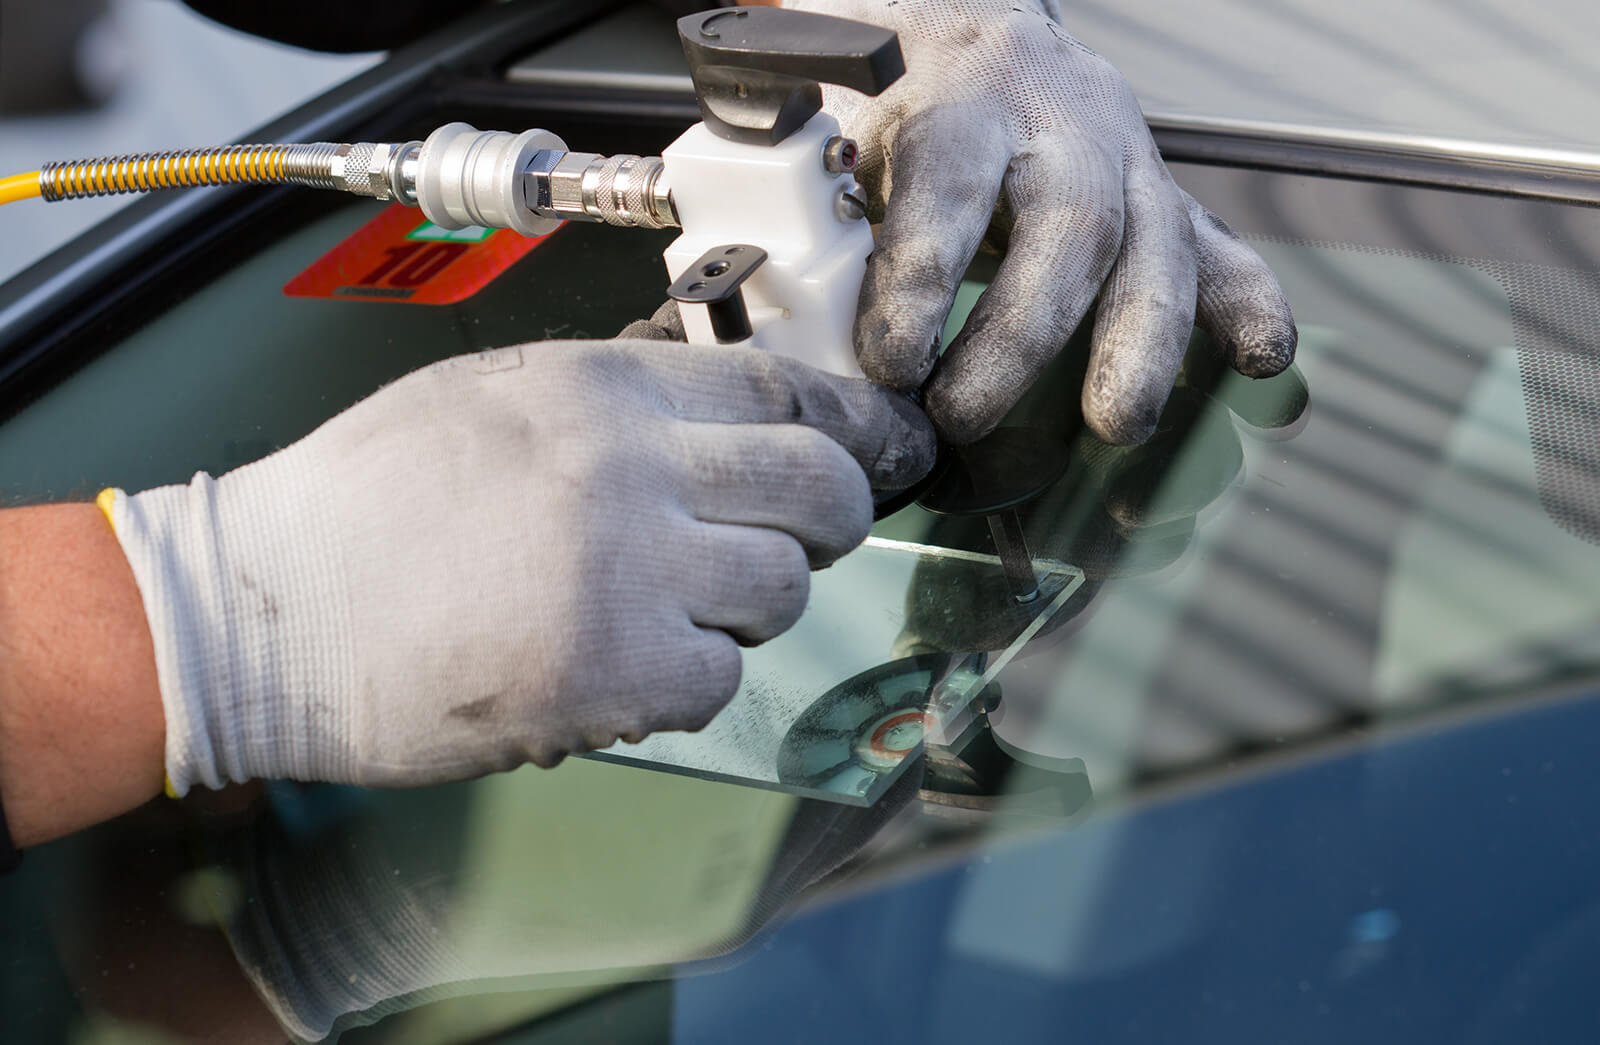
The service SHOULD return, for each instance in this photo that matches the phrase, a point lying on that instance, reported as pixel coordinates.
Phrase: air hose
(460, 176)
(321, 165)
(19, 187)
(316, 165)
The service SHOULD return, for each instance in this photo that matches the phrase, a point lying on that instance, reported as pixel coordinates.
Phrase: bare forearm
(81, 725)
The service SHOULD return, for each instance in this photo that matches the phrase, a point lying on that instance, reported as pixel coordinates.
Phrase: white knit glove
(504, 558)
(1002, 114)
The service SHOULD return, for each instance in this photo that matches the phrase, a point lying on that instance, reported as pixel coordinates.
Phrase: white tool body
(802, 301)
(775, 237)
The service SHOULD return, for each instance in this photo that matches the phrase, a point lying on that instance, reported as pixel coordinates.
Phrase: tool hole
(734, 250)
(716, 268)
(697, 285)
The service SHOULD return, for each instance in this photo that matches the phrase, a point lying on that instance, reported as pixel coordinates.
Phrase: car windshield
(1260, 751)
(1477, 70)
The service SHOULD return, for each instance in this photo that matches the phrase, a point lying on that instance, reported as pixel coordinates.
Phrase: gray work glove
(504, 558)
(1002, 114)
(1117, 511)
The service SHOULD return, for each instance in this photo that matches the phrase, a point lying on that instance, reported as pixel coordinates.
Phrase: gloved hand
(1116, 512)
(504, 558)
(1002, 114)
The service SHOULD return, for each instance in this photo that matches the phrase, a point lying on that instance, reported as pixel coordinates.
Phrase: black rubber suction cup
(1006, 468)
(991, 477)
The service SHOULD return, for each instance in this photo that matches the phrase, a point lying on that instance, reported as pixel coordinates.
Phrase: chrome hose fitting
(465, 176)
(382, 170)
(528, 182)
(630, 191)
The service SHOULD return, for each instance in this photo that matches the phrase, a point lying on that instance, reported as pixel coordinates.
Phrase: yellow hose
(229, 165)
(316, 164)
(19, 187)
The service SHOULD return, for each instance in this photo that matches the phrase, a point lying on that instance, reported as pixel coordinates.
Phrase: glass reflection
(343, 908)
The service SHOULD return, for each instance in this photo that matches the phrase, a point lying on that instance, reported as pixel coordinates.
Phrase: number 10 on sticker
(413, 264)
(393, 259)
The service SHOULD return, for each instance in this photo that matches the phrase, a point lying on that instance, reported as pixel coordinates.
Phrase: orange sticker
(400, 256)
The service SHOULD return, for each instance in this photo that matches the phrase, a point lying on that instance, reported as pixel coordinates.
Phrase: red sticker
(401, 256)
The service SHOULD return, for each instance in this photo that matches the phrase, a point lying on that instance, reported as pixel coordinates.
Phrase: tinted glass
(1265, 644)
(1483, 70)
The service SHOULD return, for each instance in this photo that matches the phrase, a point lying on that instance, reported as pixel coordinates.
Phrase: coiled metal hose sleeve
(310, 164)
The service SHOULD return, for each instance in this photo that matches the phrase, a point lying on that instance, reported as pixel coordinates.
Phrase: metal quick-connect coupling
(529, 182)
(465, 176)
(631, 191)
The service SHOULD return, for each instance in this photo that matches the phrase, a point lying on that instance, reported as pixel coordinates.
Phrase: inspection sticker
(401, 256)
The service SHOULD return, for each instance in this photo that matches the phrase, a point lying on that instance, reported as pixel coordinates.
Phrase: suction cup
(1006, 468)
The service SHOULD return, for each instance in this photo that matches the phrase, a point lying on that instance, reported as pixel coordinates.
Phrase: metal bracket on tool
(715, 281)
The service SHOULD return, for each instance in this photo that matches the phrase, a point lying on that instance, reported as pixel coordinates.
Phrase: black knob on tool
(756, 69)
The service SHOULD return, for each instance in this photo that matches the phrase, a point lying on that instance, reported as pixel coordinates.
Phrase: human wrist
(80, 719)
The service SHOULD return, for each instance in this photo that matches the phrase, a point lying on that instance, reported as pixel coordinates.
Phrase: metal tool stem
(1012, 547)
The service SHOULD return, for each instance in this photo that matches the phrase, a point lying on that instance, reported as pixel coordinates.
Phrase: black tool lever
(757, 69)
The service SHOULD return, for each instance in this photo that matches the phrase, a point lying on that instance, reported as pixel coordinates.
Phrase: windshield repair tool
(775, 237)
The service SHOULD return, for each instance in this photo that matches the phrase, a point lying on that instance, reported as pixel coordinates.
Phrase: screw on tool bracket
(848, 207)
(839, 155)
(715, 280)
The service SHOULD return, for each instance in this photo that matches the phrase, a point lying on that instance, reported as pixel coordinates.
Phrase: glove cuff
(245, 594)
